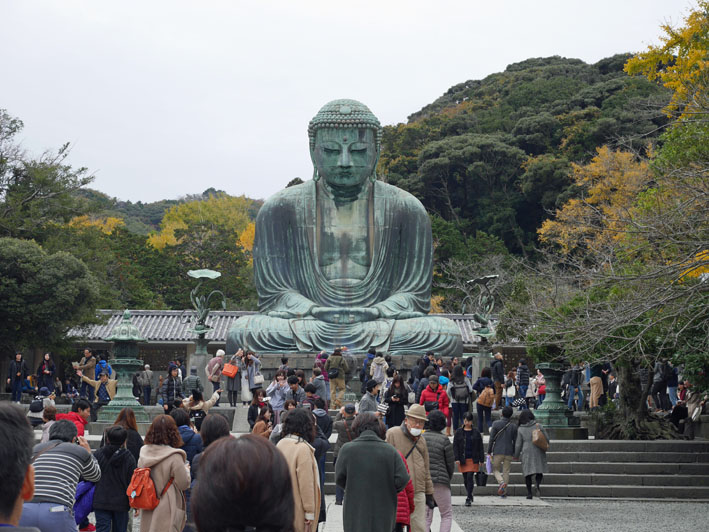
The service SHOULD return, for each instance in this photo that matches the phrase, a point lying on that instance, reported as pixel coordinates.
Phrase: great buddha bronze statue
(344, 259)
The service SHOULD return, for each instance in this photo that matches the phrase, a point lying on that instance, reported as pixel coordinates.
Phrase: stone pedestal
(124, 368)
(553, 413)
(199, 359)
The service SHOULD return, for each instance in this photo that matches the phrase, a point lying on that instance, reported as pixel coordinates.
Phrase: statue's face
(345, 158)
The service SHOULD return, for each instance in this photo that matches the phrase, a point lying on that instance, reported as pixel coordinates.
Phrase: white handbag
(258, 380)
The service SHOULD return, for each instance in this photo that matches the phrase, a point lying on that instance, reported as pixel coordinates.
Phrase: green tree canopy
(43, 295)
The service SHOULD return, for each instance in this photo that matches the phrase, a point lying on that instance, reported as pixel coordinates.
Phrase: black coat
(498, 371)
(459, 446)
(252, 414)
(117, 465)
(171, 390)
(396, 413)
(16, 367)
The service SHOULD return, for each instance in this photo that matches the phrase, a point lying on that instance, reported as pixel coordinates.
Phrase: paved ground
(586, 515)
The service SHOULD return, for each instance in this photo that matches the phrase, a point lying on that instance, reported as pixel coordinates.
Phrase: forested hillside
(495, 155)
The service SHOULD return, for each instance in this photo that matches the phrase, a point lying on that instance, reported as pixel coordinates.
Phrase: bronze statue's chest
(344, 240)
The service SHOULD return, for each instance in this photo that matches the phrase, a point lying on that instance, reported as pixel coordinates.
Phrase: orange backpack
(141, 491)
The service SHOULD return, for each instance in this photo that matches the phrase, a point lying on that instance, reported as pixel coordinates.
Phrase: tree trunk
(632, 420)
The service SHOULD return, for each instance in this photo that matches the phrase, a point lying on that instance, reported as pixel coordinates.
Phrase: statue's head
(345, 138)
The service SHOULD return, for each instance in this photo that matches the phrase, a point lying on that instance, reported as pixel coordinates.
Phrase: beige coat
(165, 462)
(202, 405)
(110, 386)
(305, 478)
(418, 463)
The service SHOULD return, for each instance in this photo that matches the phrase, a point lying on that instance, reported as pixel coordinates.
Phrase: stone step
(584, 491)
(666, 457)
(594, 479)
(622, 457)
(612, 468)
(621, 446)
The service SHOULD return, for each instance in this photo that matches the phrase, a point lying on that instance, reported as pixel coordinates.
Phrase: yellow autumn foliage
(680, 62)
(221, 210)
(105, 225)
(611, 183)
(246, 238)
(700, 267)
(437, 304)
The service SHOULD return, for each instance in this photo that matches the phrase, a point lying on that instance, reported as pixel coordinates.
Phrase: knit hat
(171, 366)
(434, 378)
(220, 352)
(443, 381)
(349, 408)
(193, 370)
(417, 412)
(371, 384)
(44, 391)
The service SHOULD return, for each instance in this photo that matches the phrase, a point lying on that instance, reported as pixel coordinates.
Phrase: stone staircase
(607, 469)
(577, 468)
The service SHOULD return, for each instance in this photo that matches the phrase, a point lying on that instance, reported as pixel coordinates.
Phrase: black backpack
(37, 405)
(460, 392)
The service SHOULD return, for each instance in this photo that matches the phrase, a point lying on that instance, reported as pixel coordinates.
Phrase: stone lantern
(553, 413)
(125, 362)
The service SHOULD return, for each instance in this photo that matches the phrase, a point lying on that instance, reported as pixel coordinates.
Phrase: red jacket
(76, 419)
(405, 500)
(429, 395)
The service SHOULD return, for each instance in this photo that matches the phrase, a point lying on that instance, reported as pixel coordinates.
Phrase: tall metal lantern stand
(553, 413)
(201, 306)
(125, 362)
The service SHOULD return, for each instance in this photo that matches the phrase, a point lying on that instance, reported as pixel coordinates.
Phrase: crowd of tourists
(394, 452)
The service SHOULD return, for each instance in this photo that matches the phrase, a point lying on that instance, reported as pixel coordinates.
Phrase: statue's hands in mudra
(344, 316)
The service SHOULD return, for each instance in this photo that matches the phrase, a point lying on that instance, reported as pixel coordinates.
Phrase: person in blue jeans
(110, 503)
(510, 388)
(16, 375)
(523, 380)
(575, 381)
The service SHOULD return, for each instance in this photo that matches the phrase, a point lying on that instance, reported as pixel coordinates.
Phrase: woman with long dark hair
(233, 384)
(397, 397)
(249, 367)
(126, 419)
(257, 403)
(469, 453)
(45, 373)
(236, 498)
(296, 445)
(459, 393)
(264, 424)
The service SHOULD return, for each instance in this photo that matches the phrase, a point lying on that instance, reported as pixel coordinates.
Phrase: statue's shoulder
(288, 197)
(406, 199)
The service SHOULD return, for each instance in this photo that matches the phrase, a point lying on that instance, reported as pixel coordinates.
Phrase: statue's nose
(345, 158)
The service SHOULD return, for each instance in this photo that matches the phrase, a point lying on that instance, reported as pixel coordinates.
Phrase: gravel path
(589, 516)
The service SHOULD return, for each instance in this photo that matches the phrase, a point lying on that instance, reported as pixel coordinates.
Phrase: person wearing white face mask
(408, 441)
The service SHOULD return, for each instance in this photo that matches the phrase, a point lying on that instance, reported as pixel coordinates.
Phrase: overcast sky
(162, 99)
